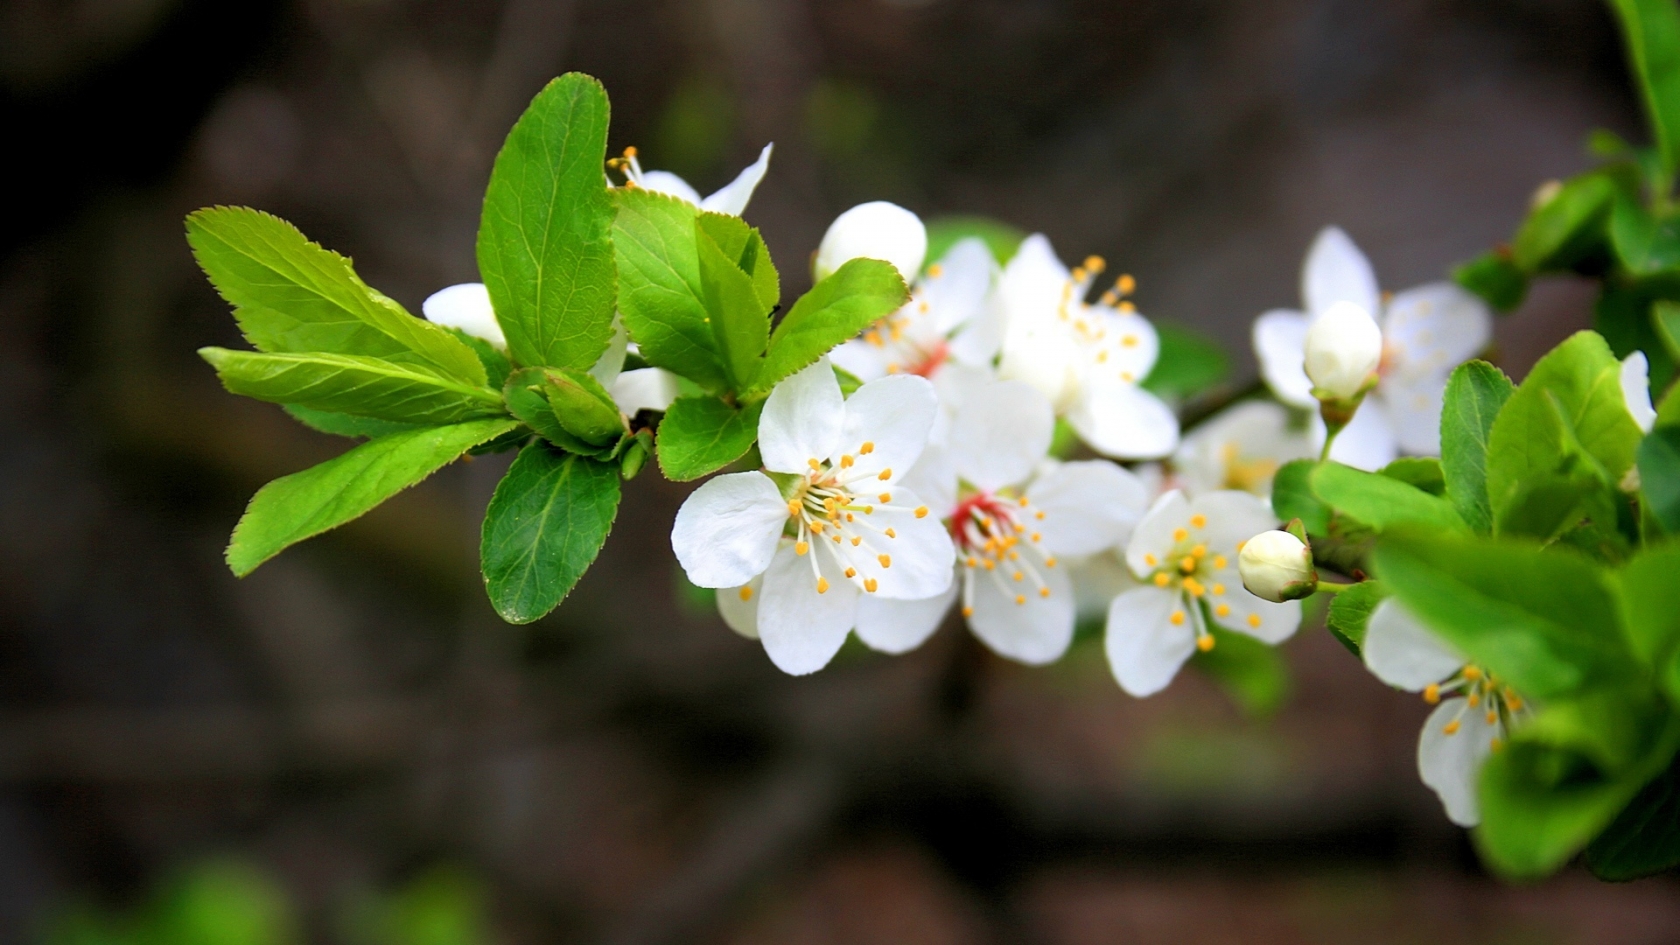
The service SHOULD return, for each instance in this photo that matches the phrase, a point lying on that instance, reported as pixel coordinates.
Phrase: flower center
(991, 531)
(1249, 475)
(628, 166)
(1483, 692)
(833, 501)
(1090, 324)
(909, 341)
(1193, 571)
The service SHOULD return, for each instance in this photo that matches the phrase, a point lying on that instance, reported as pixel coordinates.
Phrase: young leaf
(339, 383)
(659, 288)
(583, 406)
(1475, 393)
(1419, 472)
(851, 299)
(1381, 502)
(1644, 839)
(1293, 497)
(1495, 278)
(496, 364)
(305, 504)
(1644, 244)
(744, 246)
(1659, 476)
(1189, 363)
(1560, 230)
(1652, 31)
(526, 396)
(292, 296)
(740, 323)
(701, 435)
(545, 239)
(344, 424)
(545, 524)
(1350, 613)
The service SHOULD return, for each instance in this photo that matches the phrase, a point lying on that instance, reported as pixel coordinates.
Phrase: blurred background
(349, 747)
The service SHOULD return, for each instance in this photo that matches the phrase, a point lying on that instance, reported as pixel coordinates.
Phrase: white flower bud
(1277, 566)
(1344, 346)
(875, 230)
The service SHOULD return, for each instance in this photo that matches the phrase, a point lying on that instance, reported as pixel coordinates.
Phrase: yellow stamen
(793, 508)
(1492, 716)
(890, 533)
(1017, 575)
(800, 548)
(851, 572)
(1218, 589)
(1161, 579)
(1451, 728)
(1432, 693)
(1194, 587)
(1049, 562)
(968, 611)
(746, 593)
(1223, 610)
(921, 511)
(1179, 534)
(886, 560)
(814, 464)
(1126, 284)
(846, 461)
(1020, 599)
(869, 584)
(867, 447)
(1188, 563)
(1198, 520)
(1204, 642)
(1023, 502)
(857, 540)
(1039, 515)
(1044, 592)
(885, 474)
(1472, 673)
(822, 585)
(1149, 560)
(935, 271)
(1254, 620)
(1199, 551)
(886, 497)
(1176, 618)
(988, 564)
(1219, 561)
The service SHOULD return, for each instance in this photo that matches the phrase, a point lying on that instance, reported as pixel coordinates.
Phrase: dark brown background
(628, 770)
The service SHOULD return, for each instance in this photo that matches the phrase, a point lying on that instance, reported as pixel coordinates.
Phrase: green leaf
(849, 382)
(1381, 502)
(744, 246)
(1293, 497)
(292, 296)
(1475, 393)
(344, 424)
(1252, 673)
(659, 288)
(1494, 277)
(305, 504)
(1625, 315)
(497, 367)
(701, 435)
(583, 406)
(545, 239)
(526, 396)
(1578, 382)
(1560, 230)
(1189, 363)
(740, 322)
(945, 232)
(1350, 613)
(1659, 476)
(546, 523)
(1419, 472)
(1665, 319)
(1652, 31)
(851, 299)
(1545, 620)
(1644, 839)
(1650, 598)
(338, 383)
(1644, 244)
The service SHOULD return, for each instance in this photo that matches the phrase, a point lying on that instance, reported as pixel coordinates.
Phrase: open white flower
(1088, 359)
(467, 307)
(874, 230)
(1013, 516)
(730, 199)
(1427, 331)
(1241, 447)
(837, 493)
(1464, 728)
(1185, 550)
(948, 319)
(1636, 390)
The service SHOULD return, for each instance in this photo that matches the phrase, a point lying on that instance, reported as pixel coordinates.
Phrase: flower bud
(875, 230)
(1344, 346)
(1277, 566)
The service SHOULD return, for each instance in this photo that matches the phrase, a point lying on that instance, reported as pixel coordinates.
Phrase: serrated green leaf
(545, 524)
(344, 424)
(497, 367)
(1644, 839)
(1659, 476)
(1350, 613)
(1651, 29)
(307, 503)
(851, 299)
(526, 396)
(1189, 363)
(1475, 393)
(744, 245)
(1293, 497)
(583, 406)
(545, 239)
(701, 435)
(1494, 277)
(1543, 619)
(1419, 472)
(740, 323)
(339, 383)
(1381, 502)
(1252, 673)
(292, 296)
(659, 288)
(1560, 230)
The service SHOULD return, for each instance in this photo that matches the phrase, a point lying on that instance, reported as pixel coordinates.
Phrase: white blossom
(874, 230)
(731, 199)
(1089, 359)
(1241, 447)
(1426, 331)
(1636, 390)
(467, 307)
(1185, 551)
(948, 319)
(854, 529)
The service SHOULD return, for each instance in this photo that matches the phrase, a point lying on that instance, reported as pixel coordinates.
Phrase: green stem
(1331, 587)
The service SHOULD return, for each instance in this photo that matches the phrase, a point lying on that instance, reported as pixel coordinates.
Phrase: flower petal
(644, 389)
(899, 626)
(895, 414)
(1035, 631)
(1240, 448)
(1368, 442)
(873, 230)
(740, 612)
(1153, 537)
(1144, 647)
(1451, 764)
(801, 628)
(1280, 344)
(733, 197)
(934, 479)
(1122, 420)
(1002, 431)
(1232, 517)
(860, 359)
(1030, 289)
(1247, 614)
(1097, 580)
(802, 419)
(1337, 271)
(467, 307)
(959, 292)
(1401, 651)
(1636, 389)
(665, 182)
(1088, 506)
(1434, 328)
(607, 367)
(920, 550)
(1413, 406)
(726, 531)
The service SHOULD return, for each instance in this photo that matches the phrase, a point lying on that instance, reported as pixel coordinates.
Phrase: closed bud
(1344, 346)
(1277, 566)
(875, 230)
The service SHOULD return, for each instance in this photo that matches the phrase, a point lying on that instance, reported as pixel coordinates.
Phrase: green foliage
(1350, 613)
(659, 287)
(1659, 476)
(443, 906)
(305, 504)
(1644, 244)
(352, 384)
(740, 319)
(546, 523)
(1493, 276)
(1650, 601)
(1252, 673)
(1475, 393)
(1652, 31)
(545, 240)
(344, 424)
(218, 902)
(945, 232)
(1189, 363)
(851, 299)
(1420, 472)
(1644, 839)
(582, 406)
(1293, 497)
(1564, 228)
(701, 435)
(1380, 501)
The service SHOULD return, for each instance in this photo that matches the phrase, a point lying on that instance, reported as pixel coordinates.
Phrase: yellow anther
(822, 585)
(1049, 562)
(1039, 515)
(813, 464)
(867, 510)
(1492, 716)
(869, 584)
(1472, 673)
(1023, 501)
(1474, 698)
(988, 564)
(846, 461)
(921, 511)
(1451, 728)
(1102, 357)
(849, 517)
(794, 507)
(1240, 545)
(1218, 590)
(1161, 579)
(1176, 618)
(886, 560)
(1194, 587)
(1223, 610)
(886, 497)
(1037, 537)
(816, 528)
(935, 271)
(1149, 560)
(1110, 297)
(972, 562)
(1512, 702)
(1494, 744)
(1219, 562)
(1095, 264)
(1432, 693)
(885, 474)
(867, 447)
(851, 572)
(1188, 564)
(856, 540)
(1198, 521)
(746, 593)
(1020, 599)
(800, 548)
(1129, 341)
(1204, 642)
(1127, 307)
(1126, 284)
(1254, 620)
(890, 533)
(968, 611)
(923, 308)
(1179, 534)
(1044, 592)
(1017, 576)
(1199, 551)
(1128, 377)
